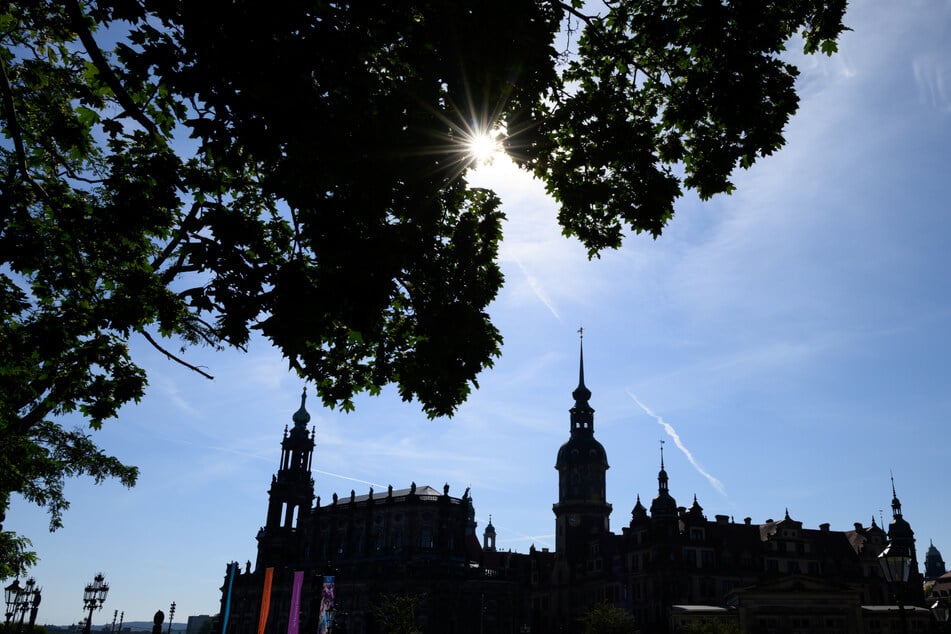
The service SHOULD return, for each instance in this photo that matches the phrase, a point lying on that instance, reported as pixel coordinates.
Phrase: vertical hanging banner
(224, 618)
(293, 619)
(326, 607)
(265, 599)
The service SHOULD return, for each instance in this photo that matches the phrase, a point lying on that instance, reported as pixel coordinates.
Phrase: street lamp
(895, 561)
(20, 599)
(25, 600)
(93, 598)
(11, 594)
(940, 612)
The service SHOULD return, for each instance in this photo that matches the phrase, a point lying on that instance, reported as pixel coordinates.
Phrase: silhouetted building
(934, 564)
(196, 622)
(667, 566)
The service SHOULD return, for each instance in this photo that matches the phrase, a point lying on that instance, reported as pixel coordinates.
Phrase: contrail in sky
(537, 289)
(343, 477)
(269, 459)
(680, 445)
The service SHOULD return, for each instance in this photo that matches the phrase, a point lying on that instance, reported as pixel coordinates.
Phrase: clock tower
(582, 512)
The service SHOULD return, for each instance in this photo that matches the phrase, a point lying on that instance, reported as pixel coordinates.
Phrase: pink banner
(265, 599)
(293, 620)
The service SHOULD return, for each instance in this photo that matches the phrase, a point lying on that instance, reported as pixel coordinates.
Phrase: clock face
(573, 520)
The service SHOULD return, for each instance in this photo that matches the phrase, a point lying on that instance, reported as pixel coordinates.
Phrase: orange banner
(265, 599)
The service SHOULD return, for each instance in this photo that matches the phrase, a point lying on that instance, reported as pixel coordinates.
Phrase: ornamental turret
(664, 506)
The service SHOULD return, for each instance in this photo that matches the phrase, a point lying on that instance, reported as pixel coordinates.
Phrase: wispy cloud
(714, 482)
(170, 391)
(933, 81)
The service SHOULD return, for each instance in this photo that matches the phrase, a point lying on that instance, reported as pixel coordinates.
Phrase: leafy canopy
(189, 172)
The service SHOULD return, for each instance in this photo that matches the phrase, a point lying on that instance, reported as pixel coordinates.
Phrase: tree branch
(78, 22)
(173, 244)
(172, 357)
(596, 33)
(13, 123)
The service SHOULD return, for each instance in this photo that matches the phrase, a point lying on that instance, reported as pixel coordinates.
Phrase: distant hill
(128, 626)
(146, 626)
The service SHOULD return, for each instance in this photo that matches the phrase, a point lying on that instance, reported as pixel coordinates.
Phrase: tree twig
(172, 357)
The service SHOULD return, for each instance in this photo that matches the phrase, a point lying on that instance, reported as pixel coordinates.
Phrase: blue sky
(794, 336)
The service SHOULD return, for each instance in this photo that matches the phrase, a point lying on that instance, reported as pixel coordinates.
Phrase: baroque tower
(291, 494)
(582, 512)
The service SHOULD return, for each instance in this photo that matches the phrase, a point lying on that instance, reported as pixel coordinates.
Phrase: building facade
(417, 549)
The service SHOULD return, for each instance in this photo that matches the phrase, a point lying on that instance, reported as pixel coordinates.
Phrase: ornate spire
(639, 512)
(896, 504)
(301, 416)
(662, 475)
(663, 505)
(581, 393)
(582, 414)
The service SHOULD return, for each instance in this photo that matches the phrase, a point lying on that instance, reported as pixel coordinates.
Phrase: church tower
(900, 534)
(582, 512)
(291, 494)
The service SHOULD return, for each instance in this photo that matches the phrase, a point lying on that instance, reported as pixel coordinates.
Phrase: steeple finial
(662, 474)
(581, 393)
(302, 417)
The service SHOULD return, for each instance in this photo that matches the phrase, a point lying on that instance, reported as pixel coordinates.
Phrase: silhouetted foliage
(396, 613)
(15, 554)
(187, 173)
(607, 619)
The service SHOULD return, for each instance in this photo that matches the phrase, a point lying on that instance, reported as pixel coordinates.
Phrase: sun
(484, 146)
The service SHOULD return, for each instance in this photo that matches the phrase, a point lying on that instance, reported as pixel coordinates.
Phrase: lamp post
(171, 615)
(93, 598)
(895, 561)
